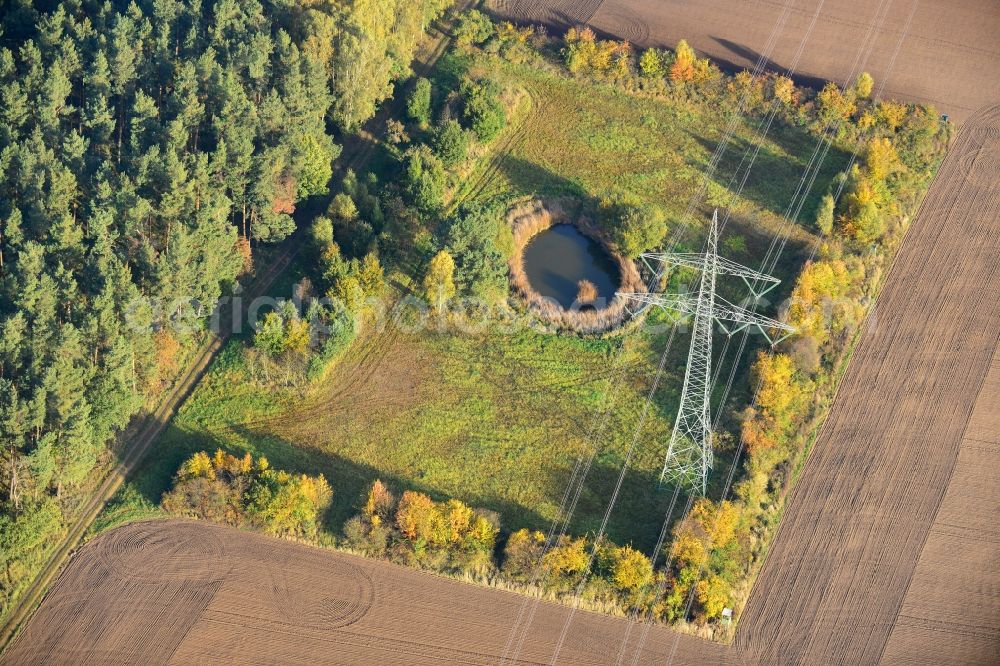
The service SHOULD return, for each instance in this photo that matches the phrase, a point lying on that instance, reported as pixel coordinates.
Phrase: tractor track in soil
(140, 435)
(887, 552)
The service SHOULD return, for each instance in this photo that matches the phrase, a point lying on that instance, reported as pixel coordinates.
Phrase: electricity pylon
(689, 454)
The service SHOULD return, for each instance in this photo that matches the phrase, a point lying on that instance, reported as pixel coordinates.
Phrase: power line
(689, 453)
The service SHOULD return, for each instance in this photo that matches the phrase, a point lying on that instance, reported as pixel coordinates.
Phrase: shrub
(451, 143)
(474, 27)
(238, 491)
(418, 104)
(523, 554)
(425, 178)
(634, 228)
(566, 563)
(483, 109)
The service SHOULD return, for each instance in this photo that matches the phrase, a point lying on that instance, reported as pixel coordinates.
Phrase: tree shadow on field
(348, 478)
(752, 57)
(531, 178)
(767, 178)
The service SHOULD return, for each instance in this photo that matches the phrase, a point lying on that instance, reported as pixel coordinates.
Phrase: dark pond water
(557, 259)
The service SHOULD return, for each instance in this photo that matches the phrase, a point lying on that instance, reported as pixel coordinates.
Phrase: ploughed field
(495, 418)
(888, 552)
(948, 52)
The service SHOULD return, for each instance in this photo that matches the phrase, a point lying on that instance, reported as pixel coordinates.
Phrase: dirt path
(950, 56)
(887, 552)
(145, 429)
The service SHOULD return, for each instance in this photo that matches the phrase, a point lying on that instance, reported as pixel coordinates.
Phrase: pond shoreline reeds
(530, 218)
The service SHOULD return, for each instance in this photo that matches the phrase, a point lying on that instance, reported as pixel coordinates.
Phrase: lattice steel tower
(689, 453)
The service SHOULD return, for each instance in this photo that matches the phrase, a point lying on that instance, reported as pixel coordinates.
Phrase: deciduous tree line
(144, 147)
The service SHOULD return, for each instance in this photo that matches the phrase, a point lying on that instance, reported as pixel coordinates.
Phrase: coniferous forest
(147, 150)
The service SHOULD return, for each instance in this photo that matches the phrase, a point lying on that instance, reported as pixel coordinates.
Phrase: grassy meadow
(498, 419)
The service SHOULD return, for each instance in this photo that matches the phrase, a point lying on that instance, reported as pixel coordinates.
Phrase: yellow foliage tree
(819, 284)
(688, 547)
(683, 68)
(713, 595)
(630, 570)
(419, 519)
(460, 518)
(717, 521)
(297, 334)
(891, 114)
(864, 85)
(378, 503)
(834, 106)
(773, 374)
(197, 466)
(439, 283)
(783, 89)
(881, 159)
(568, 558)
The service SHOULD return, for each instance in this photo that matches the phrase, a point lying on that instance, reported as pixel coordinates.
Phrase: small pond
(557, 259)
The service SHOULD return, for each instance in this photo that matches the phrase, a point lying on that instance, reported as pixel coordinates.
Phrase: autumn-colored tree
(881, 159)
(297, 334)
(819, 287)
(523, 555)
(713, 594)
(439, 283)
(568, 560)
(420, 519)
(757, 432)
(688, 546)
(864, 85)
(834, 106)
(651, 64)
(197, 466)
(631, 570)
(765, 426)
(379, 503)
(776, 391)
(868, 201)
(748, 88)
(891, 114)
(238, 490)
(580, 50)
(783, 89)
(371, 276)
(459, 518)
(481, 533)
(683, 68)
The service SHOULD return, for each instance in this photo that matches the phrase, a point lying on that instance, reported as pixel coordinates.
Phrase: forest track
(147, 427)
(886, 552)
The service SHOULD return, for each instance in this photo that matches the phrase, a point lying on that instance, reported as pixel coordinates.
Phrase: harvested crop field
(915, 400)
(888, 551)
(950, 56)
(184, 592)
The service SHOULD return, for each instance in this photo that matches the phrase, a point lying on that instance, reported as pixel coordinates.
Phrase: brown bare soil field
(916, 393)
(950, 55)
(185, 592)
(888, 551)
